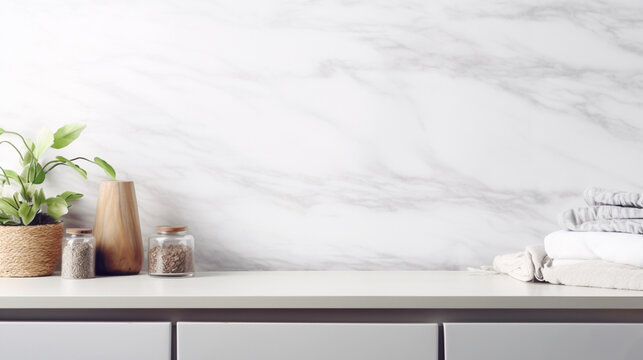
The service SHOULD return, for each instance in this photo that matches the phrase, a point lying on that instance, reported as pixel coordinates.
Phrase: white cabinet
(85, 340)
(309, 341)
(538, 341)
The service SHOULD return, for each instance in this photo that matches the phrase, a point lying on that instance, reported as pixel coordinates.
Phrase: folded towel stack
(601, 246)
(608, 211)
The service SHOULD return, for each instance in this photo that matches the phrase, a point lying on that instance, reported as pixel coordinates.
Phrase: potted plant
(30, 227)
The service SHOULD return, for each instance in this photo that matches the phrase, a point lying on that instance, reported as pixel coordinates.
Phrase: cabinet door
(306, 341)
(537, 341)
(85, 340)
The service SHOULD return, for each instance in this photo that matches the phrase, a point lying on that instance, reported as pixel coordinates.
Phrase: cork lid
(170, 229)
(78, 231)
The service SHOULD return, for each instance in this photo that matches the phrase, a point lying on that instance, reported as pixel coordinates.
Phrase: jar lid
(170, 229)
(78, 231)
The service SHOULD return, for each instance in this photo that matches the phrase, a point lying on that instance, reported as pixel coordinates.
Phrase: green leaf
(56, 207)
(39, 198)
(67, 134)
(78, 169)
(109, 170)
(44, 140)
(28, 174)
(26, 158)
(34, 174)
(69, 196)
(28, 192)
(1, 131)
(4, 218)
(7, 206)
(12, 174)
(39, 178)
(7, 219)
(30, 145)
(27, 213)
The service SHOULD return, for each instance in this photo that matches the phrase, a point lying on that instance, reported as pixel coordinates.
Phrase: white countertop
(298, 290)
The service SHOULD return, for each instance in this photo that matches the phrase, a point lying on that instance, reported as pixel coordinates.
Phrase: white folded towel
(562, 262)
(595, 273)
(620, 248)
(533, 265)
(524, 266)
(597, 196)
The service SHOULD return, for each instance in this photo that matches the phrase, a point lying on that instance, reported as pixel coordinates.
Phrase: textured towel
(631, 226)
(532, 264)
(618, 248)
(573, 218)
(597, 196)
(595, 273)
(524, 266)
(603, 218)
(561, 262)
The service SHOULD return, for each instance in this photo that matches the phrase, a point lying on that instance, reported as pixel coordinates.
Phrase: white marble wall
(360, 134)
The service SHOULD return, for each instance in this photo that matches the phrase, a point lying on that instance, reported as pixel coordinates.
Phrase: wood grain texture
(117, 229)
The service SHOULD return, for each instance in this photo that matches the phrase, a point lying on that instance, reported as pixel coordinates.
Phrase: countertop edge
(321, 302)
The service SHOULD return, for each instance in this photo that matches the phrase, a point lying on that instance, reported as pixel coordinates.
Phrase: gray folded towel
(597, 196)
(603, 218)
(631, 226)
(572, 218)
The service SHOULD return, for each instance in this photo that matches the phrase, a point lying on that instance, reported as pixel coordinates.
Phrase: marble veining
(336, 134)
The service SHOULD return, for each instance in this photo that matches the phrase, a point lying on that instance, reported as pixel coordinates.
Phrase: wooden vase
(119, 246)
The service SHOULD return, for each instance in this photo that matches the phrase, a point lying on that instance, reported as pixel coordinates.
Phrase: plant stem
(24, 142)
(5, 175)
(64, 163)
(33, 156)
(24, 191)
(51, 168)
(49, 163)
(14, 146)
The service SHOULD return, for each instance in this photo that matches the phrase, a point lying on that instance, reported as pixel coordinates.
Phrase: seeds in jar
(78, 260)
(170, 259)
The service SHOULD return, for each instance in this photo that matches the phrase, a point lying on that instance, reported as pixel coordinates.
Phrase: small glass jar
(170, 252)
(79, 254)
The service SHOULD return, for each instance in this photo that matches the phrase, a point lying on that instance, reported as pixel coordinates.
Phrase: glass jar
(170, 252)
(79, 254)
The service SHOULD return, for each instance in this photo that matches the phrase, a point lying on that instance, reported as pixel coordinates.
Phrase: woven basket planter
(27, 251)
